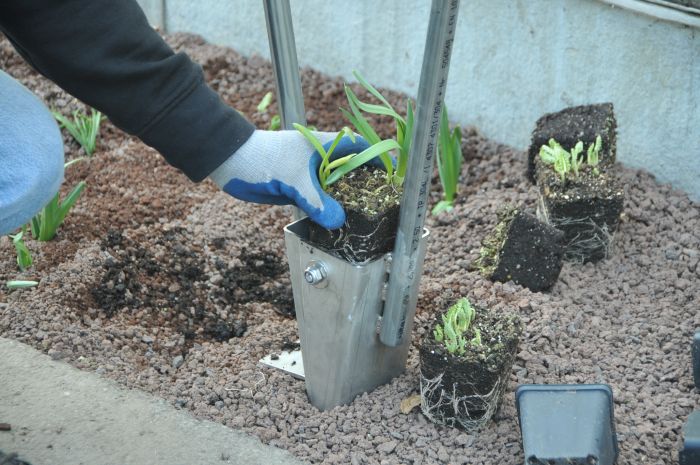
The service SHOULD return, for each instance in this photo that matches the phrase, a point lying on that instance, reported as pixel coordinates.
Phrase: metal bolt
(315, 274)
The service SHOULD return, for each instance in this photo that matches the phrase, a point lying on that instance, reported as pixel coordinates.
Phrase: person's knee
(31, 155)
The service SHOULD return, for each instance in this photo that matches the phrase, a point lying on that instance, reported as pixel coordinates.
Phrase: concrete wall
(513, 60)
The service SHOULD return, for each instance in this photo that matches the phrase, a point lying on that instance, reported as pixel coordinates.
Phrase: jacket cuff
(198, 133)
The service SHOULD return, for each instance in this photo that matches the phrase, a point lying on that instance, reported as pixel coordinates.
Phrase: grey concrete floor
(63, 416)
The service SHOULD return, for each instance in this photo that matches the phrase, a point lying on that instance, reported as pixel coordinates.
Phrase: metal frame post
(283, 52)
(404, 276)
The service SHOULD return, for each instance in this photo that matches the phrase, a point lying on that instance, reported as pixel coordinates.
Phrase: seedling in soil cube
(369, 195)
(465, 363)
(571, 125)
(522, 249)
(583, 200)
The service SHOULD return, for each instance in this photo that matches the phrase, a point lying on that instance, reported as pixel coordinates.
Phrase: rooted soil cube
(465, 390)
(372, 218)
(522, 249)
(570, 125)
(586, 208)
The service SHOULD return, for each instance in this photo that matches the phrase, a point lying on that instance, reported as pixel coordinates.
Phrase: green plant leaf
(378, 110)
(442, 206)
(437, 333)
(265, 102)
(312, 139)
(21, 284)
(73, 162)
(69, 201)
(402, 162)
(365, 129)
(24, 257)
(370, 88)
(84, 129)
(275, 123)
(362, 158)
(339, 162)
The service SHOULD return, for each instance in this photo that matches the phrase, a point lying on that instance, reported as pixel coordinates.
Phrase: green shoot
(20, 284)
(593, 155)
(455, 324)
(24, 257)
(449, 161)
(576, 158)
(404, 127)
(331, 170)
(83, 128)
(46, 222)
(275, 120)
(265, 102)
(569, 163)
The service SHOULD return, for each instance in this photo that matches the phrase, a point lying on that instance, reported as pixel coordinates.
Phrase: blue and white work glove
(281, 168)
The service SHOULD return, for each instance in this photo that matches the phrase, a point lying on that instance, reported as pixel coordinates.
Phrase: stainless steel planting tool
(355, 320)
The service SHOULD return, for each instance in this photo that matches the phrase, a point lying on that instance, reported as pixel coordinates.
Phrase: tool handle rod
(283, 52)
(404, 275)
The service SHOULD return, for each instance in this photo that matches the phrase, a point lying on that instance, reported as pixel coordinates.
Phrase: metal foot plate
(289, 362)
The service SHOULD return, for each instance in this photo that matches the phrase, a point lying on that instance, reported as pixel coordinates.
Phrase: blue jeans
(31, 155)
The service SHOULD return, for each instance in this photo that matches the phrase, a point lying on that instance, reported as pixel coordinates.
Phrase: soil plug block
(465, 390)
(696, 359)
(586, 208)
(522, 249)
(573, 124)
(567, 424)
(372, 218)
(690, 454)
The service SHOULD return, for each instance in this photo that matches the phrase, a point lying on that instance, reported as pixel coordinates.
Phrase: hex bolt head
(315, 274)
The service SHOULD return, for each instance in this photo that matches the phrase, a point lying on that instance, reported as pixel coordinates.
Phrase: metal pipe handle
(431, 91)
(290, 100)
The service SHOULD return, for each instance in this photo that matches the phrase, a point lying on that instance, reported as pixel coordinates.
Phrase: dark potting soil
(483, 366)
(531, 254)
(136, 281)
(626, 321)
(372, 217)
(570, 125)
(587, 209)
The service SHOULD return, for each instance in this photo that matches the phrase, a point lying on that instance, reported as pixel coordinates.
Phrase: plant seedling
(24, 257)
(569, 163)
(47, 221)
(404, 127)
(331, 170)
(456, 323)
(593, 155)
(265, 102)
(275, 120)
(449, 161)
(21, 284)
(83, 128)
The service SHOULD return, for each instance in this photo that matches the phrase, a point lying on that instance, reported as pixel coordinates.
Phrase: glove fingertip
(332, 216)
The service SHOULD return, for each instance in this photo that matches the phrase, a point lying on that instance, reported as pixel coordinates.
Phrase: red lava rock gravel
(177, 289)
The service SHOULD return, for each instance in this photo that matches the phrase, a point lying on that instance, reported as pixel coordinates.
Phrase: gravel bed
(178, 290)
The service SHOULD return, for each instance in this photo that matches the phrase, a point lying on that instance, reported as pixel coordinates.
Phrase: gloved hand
(281, 168)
